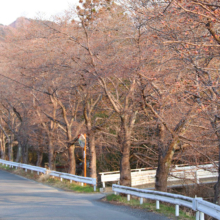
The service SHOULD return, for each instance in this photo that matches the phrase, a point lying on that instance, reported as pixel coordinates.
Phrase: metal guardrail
(207, 208)
(24, 166)
(72, 177)
(61, 175)
(196, 204)
(144, 176)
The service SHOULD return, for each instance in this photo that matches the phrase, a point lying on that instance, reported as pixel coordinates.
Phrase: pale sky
(10, 10)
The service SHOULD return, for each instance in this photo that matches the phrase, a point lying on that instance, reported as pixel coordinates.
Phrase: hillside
(20, 22)
(4, 31)
(7, 30)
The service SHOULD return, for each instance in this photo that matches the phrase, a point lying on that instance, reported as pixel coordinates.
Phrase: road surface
(22, 199)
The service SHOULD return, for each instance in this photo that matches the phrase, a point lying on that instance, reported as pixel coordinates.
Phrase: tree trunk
(4, 134)
(2, 146)
(217, 185)
(164, 159)
(10, 149)
(27, 153)
(162, 174)
(71, 160)
(18, 157)
(39, 156)
(23, 153)
(91, 144)
(125, 169)
(92, 151)
(24, 150)
(51, 155)
(40, 149)
(124, 141)
(217, 191)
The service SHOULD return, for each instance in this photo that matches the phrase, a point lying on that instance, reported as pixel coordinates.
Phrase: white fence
(144, 176)
(196, 204)
(61, 175)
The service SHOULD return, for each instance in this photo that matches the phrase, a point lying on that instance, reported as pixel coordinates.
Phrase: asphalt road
(22, 199)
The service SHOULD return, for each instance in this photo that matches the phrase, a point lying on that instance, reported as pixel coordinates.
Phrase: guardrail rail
(24, 166)
(71, 177)
(196, 204)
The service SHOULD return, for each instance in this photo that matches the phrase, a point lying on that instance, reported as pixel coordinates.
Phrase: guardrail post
(25, 170)
(103, 184)
(128, 197)
(177, 210)
(157, 204)
(141, 201)
(202, 216)
(94, 188)
(82, 184)
(37, 172)
(197, 215)
(71, 181)
(61, 179)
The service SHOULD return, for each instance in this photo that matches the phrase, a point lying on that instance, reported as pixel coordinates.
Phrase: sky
(10, 10)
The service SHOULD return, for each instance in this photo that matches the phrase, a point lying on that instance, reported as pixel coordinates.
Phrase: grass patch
(84, 189)
(4, 167)
(66, 185)
(150, 206)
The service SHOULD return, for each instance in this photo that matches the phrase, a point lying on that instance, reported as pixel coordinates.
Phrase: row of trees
(140, 78)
